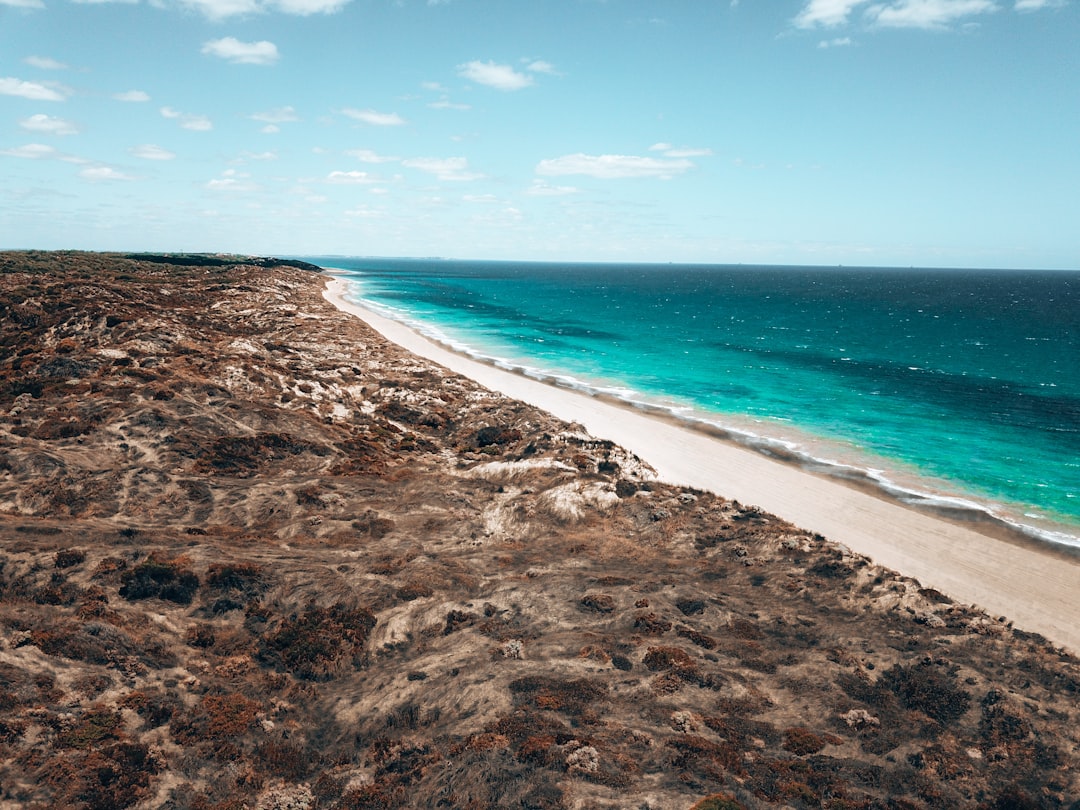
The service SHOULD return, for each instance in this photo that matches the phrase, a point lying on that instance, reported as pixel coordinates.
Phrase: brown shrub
(700, 639)
(573, 697)
(719, 801)
(925, 688)
(314, 644)
(651, 625)
(229, 715)
(91, 730)
(109, 778)
(67, 558)
(598, 602)
(801, 741)
(161, 579)
(493, 435)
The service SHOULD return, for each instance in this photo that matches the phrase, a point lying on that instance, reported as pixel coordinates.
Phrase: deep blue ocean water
(956, 387)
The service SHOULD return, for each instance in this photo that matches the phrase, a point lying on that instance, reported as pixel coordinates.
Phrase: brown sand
(1034, 587)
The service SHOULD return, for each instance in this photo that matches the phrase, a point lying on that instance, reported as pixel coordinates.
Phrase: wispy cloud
(826, 13)
(23, 3)
(32, 151)
(1035, 5)
(196, 123)
(132, 96)
(149, 151)
(680, 152)
(35, 91)
(368, 156)
(926, 14)
(490, 74)
(835, 42)
(232, 181)
(446, 104)
(307, 7)
(540, 188)
(217, 10)
(540, 66)
(352, 178)
(44, 63)
(49, 125)
(103, 174)
(455, 169)
(222, 9)
(278, 115)
(242, 53)
(365, 212)
(609, 167)
(374, 118)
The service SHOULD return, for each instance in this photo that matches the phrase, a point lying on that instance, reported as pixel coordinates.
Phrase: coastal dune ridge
(255, 553)
(1030, 582)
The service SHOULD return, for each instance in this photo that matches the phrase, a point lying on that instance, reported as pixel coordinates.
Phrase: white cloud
(232, 181)
(222, 9)
(44, 63)
(307, 7)
(98, 174)
(353, 178)
(368, 156)
(364, 212)
(541, 189)
(927, 13)
(278, 115)
(196, 123)
(31, 90)
(895, 13)
(608, 167)
(484, 199)
(1035, 5)
(446, 104)
(48, 125)
(217, 10)
(501, 77)
(246, 155)
(826, 13)
(32, 151)
(836, 42)
(540, 66)
(377, 119)
(682, 152)
(451, 169)
(242, 53)
(133, 96)
(23, 3)
(149, 151)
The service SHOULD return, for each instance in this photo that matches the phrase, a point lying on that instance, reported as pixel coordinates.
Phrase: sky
(941, 133)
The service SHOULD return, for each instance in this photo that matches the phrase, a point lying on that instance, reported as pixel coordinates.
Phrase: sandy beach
(1033, 587)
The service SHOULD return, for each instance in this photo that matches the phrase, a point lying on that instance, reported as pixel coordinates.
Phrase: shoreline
(996, 574)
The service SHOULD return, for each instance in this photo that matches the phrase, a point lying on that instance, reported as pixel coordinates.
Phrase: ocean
(954, 390)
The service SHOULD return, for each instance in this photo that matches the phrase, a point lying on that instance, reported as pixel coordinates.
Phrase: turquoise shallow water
(950, 387)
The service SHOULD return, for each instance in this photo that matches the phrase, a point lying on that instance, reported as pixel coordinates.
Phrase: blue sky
(878, 132)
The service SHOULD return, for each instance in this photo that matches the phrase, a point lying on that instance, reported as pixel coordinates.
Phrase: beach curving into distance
(1033, 585)
(255, 554)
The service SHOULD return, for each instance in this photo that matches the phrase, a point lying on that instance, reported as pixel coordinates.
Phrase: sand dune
(1034, 587)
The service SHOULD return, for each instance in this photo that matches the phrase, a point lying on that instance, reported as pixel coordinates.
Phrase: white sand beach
(1038, 590)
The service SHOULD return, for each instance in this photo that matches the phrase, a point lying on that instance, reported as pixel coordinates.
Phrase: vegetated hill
(255, 556)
